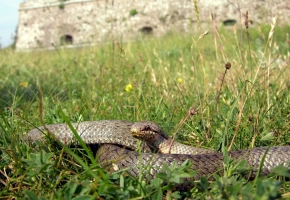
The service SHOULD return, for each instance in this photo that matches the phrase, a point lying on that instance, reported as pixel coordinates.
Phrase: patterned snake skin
(119, 150)
(204, 164)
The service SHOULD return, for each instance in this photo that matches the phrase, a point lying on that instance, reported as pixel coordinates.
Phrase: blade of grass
(79, 139)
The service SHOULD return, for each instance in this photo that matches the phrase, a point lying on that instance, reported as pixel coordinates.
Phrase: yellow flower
(179, 80)
(129, 87)
(23, 84)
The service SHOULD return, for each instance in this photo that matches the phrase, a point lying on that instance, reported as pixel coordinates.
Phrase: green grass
(249, 107)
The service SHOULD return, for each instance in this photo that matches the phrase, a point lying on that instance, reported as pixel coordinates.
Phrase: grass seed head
(228, 65)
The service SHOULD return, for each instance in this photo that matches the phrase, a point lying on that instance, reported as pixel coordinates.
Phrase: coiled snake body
(119, 149)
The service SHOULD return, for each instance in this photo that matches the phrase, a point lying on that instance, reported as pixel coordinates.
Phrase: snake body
(119, 149)
(204, 164)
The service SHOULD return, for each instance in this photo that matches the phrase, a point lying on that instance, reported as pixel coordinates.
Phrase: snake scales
(119, 149)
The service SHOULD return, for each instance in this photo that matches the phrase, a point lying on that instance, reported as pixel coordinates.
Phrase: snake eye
(147, 128)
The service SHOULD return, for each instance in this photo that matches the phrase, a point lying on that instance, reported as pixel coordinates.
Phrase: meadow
(236, 79)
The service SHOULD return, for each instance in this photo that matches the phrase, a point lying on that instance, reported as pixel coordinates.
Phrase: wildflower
(179, 80)
(23, 84)
(129, 87)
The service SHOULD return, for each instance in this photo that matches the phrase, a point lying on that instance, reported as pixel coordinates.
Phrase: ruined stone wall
(52, 23)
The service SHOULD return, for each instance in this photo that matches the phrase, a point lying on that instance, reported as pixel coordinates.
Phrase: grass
(156, 79)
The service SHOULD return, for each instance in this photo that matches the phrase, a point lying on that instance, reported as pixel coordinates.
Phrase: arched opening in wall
(66, 40)
(229, 22)
(146, 30)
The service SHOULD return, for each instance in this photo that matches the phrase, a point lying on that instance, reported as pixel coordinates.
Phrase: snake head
(147, 130)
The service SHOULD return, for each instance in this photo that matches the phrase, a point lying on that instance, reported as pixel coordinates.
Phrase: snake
(120, 149)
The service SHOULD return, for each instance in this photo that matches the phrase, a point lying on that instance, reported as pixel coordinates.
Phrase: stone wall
(52, 23)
